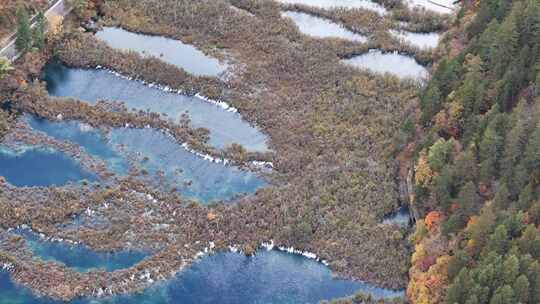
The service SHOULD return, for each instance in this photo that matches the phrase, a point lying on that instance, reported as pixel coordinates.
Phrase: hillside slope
(477, 168)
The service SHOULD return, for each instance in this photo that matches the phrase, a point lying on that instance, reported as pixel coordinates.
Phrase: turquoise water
(192, 176)
(171, 51)
(93, 85)
(231, 278)
(85, 136)
(40, 167)
(79, 257)
(321, 28)
(160, 155)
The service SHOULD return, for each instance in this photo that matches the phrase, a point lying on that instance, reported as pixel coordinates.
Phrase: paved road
(8, 50)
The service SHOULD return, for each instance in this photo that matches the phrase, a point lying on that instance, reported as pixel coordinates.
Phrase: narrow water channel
(94, 85)
(79, 257)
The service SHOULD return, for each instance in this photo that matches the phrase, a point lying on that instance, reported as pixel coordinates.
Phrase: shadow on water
(231, 278)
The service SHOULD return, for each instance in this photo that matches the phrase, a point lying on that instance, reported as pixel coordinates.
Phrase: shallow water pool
(36, 166)
(393, 63)
(169, 50)
(321, 28)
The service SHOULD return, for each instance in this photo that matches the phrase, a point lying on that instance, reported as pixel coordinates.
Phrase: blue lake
(169, 50)
(79, 257)
(93, 85)
(34, 166)
(158, 154)
(230, 278)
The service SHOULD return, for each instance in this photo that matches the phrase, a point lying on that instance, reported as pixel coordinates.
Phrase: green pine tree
(502, 198)
(503, 295)
(498, 241)
(458, 291)
(521, 289)
(510, 270)
(532, 152)
(24, 33)
(38, 33)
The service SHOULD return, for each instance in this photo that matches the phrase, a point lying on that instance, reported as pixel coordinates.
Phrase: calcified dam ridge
(216, 151)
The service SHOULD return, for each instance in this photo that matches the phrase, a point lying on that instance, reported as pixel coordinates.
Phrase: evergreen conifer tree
(38, 33)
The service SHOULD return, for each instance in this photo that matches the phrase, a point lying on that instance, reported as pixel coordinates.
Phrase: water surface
(79, 257)
(328, 4)
(230, 278)
(169, 50)
(88, 138)
(321, 28)
(438, 6)
(191, 175)
(393, 63)
(401, 217)
(94, 85)
(35, 166)
(168, 164)
(421, 40)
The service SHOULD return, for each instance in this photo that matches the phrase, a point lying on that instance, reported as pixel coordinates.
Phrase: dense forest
(477, 172)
